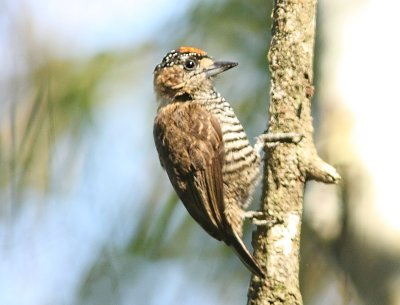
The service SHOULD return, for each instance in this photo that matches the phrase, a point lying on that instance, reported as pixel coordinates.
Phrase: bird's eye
(189, 64)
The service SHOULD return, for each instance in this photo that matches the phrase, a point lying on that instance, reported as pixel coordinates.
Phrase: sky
(364, 78)
(53, 249)
(93, 25)
(376, 109)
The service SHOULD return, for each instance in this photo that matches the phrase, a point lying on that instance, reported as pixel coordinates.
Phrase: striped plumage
(203, 147)
(241, 168)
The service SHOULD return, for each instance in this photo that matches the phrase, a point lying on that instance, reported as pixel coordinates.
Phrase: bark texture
(288, 165)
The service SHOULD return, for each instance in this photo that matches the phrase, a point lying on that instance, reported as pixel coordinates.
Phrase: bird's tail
(245, 256)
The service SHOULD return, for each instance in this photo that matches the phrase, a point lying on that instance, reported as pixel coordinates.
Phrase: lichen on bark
(287, 165)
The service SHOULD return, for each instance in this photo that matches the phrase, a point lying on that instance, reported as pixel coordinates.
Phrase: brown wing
(190, 147)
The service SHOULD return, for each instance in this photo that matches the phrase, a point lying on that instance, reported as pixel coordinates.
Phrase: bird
(204, 149)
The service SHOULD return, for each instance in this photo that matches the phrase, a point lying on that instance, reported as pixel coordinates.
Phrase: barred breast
(241, 170)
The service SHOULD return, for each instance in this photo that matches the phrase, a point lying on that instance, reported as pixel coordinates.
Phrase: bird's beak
(219, 66)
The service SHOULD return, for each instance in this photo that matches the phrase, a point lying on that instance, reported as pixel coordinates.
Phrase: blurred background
(87, 216)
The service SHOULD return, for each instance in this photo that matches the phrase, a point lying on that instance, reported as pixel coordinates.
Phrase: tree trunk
(287, 165)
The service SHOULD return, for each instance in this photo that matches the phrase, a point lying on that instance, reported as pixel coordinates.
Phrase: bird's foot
(272, 139)
(254, 217)
(286, 137)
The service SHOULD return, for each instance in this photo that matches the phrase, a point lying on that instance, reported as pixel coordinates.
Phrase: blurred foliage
(238, 30)
(240, 37)
(57, 97)
(149, 240)
(55, 101)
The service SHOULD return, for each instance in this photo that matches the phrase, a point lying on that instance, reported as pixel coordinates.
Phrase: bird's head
(186, 72)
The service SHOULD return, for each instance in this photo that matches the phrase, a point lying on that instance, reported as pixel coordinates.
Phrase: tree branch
(287, 165)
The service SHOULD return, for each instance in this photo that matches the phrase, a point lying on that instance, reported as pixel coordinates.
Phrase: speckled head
(186, 73)
(175, 56)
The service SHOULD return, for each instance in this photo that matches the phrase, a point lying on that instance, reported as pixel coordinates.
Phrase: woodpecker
(204, 148)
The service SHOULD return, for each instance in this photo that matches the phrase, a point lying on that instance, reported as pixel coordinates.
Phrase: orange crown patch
(192, 50)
